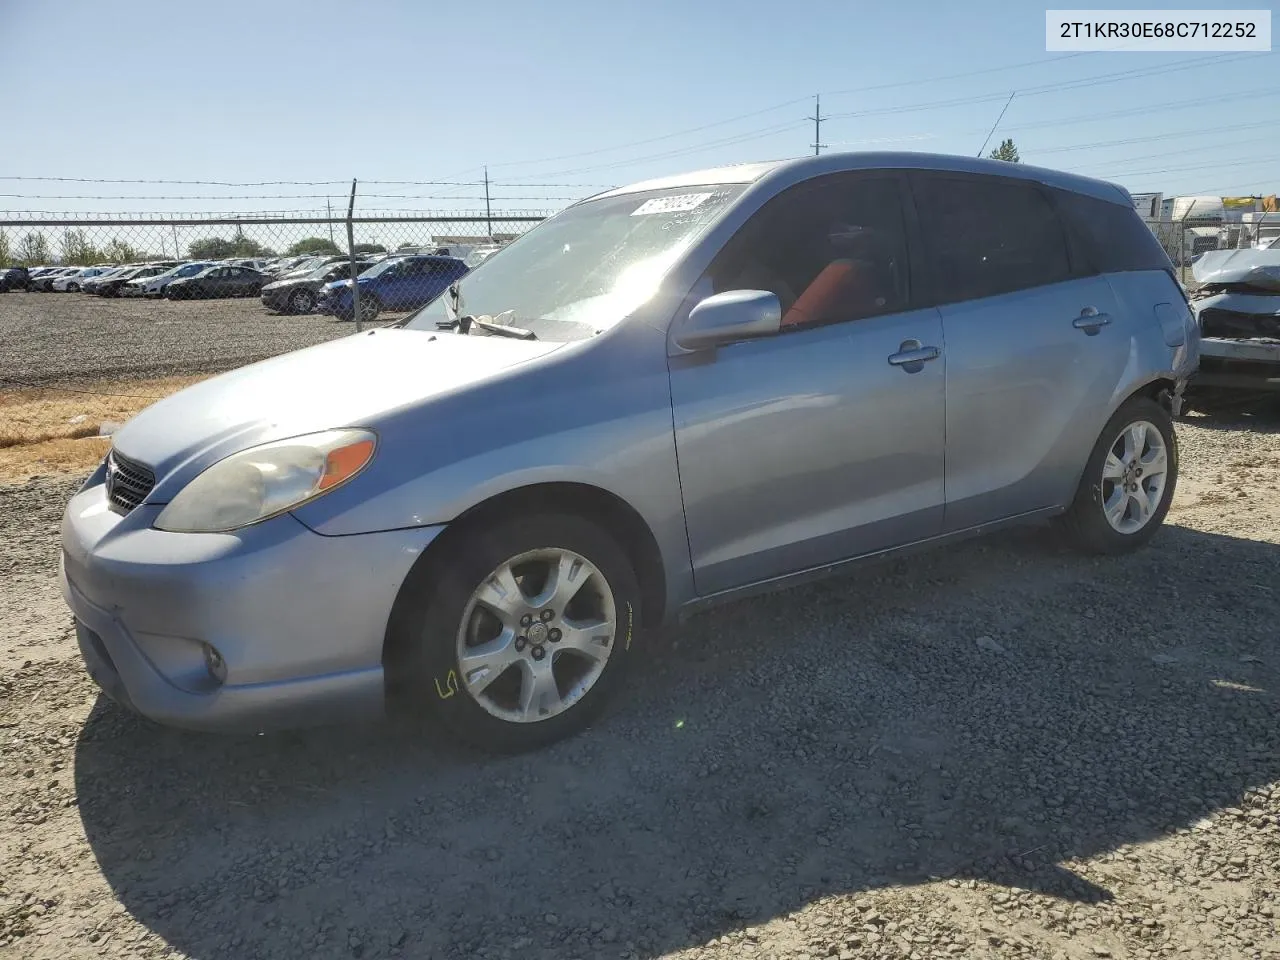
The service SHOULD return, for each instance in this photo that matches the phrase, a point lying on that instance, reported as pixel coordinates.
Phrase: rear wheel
(73, 288)
(370, 307)
(1128, 482)
(526, 632)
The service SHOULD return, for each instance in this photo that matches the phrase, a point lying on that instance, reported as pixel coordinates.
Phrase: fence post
(351, 249)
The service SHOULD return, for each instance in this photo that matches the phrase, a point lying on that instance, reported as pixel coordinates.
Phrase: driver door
(817, 444)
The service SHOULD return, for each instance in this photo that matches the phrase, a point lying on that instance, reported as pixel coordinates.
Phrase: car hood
(1254, 268)
(346, 382)
(287, 284)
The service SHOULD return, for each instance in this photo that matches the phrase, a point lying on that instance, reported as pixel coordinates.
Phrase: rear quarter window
(1110, 237)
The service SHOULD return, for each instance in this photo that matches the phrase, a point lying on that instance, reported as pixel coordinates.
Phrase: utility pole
(488, 217)
(817, 124)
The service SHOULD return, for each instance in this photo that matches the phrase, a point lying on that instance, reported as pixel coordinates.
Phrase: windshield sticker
(685, 201)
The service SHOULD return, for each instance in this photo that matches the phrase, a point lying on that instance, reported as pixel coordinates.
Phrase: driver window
(832, 249)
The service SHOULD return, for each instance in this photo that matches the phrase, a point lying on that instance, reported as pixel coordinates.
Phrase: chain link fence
(102, 315)
(106, 313)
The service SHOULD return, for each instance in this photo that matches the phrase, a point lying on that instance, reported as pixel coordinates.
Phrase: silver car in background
(668, 395)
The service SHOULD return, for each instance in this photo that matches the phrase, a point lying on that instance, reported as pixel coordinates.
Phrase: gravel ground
(59, 337)
(997, 750)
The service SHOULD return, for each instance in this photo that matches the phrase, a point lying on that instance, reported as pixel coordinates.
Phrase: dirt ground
(997, 750)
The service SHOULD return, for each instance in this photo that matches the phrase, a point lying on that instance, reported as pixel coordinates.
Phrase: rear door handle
(912, 355)
(1090, 320)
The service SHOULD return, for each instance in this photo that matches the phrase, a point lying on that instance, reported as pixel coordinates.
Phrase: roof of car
(906, 160)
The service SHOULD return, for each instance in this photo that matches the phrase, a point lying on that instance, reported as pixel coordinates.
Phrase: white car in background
(154, 286)
(72, 282)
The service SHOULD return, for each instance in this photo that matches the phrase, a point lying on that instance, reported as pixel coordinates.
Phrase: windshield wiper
(502, 329)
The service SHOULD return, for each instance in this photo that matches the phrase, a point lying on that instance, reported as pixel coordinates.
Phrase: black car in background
(14, 278)
(298, 294)
(219, 281)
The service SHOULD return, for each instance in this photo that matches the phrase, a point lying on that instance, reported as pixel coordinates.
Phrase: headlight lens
(267, 480)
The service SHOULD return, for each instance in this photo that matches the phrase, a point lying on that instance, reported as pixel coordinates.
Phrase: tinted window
(987, 236)
(1110, 237)
(832, 249)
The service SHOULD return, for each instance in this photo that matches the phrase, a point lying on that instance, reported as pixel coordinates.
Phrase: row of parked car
(400, 281)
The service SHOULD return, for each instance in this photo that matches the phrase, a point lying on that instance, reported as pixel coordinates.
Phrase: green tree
(6, 252)
(1006, 151)
(220, 248)
(76, 248)
(370, 248)
(33, 250)
(118, 251)
(311, 245)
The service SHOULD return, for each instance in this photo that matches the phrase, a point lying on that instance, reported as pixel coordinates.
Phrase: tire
(73, 288)
(1088, 525)
(445, 619)
(370, 307)
(301, 301)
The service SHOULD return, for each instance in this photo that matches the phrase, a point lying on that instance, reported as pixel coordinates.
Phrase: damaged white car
(1237, 305)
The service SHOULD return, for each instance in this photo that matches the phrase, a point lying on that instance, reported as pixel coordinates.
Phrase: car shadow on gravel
(993, 710)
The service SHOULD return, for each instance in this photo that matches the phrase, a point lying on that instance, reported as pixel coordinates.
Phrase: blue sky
(561, 97)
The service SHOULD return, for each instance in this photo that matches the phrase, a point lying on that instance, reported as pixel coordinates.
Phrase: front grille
(128, 482)
(1231, 324)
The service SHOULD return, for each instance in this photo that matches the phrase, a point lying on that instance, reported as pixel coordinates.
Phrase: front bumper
(1238, 365)
(1244, 362)
(297, 619)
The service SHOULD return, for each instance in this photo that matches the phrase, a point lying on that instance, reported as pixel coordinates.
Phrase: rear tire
(370, 307)
(570, 607)
(1128, 482)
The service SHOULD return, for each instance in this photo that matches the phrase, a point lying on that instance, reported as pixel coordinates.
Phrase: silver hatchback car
(665, 396)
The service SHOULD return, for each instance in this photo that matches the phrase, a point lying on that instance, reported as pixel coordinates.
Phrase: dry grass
(46, 430)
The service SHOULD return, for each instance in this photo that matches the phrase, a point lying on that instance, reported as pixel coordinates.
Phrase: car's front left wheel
(525, 633)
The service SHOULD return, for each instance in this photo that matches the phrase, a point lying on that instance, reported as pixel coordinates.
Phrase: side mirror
(730, 316)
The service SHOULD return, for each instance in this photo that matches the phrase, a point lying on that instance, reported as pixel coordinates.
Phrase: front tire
(1128, 482)
(525, 633)
(301, 301)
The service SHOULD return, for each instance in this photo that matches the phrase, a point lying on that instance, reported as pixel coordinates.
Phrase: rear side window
(988, 236)
(1110, 237)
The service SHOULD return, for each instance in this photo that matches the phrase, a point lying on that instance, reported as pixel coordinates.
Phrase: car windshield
(380, 268)
(584, 270)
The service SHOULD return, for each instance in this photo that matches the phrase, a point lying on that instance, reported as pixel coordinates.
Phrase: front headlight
(267, 480)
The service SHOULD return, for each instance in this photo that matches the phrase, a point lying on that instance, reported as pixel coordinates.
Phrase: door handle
(1091, 321)
(912, 355)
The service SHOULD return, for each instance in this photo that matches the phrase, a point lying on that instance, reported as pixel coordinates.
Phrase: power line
(785, 103)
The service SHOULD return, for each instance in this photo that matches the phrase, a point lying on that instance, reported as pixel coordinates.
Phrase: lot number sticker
(677, 204)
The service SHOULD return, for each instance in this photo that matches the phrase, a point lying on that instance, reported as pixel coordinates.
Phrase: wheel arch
(617, 517)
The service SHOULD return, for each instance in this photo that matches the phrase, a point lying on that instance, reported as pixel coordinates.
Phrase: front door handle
(1091, 321)
(912, 355)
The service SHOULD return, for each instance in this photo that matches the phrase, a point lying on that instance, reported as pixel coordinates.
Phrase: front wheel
(302, 301)
(1128, 482)
(526, 633)
(73, 288)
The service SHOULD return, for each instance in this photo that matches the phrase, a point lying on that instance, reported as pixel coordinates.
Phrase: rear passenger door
(1034, 344)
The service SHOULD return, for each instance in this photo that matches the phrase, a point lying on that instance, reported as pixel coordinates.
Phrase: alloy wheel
(536, 635)
(1134, 474)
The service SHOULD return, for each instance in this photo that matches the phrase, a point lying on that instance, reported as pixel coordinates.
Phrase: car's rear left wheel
(526, 632)
(1128, 482)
